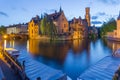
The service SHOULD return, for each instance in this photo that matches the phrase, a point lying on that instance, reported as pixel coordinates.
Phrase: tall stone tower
(87, 15)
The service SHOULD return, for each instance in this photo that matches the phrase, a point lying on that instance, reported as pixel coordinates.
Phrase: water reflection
(5, 43)
(113, 45)
(50, 50)
(12, 43)
(56, 49)
(72, 57)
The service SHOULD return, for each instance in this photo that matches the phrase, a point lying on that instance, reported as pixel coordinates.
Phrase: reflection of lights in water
(5, 43)
(113, 46)
(28, 45)
(12, 43)
(76, 42)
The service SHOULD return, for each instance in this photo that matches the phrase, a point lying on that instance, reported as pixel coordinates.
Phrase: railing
(15, 65)
(13, 60)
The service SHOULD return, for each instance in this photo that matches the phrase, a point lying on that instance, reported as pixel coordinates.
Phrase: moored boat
(13, 52)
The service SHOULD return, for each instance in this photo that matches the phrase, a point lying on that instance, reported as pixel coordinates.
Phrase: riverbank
(113, 39)
(102, 70)
(57, 38)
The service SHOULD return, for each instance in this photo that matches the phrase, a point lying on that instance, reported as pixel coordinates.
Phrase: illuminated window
(32, 31)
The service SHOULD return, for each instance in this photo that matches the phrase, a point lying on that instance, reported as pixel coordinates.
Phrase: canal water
(72, 57)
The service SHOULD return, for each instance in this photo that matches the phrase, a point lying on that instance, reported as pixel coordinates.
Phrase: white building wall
(17, 29)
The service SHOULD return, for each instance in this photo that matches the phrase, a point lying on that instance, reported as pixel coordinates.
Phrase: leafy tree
(52, 29)
(47, 27)
(108, 27)
(43, 26)
(2, 30)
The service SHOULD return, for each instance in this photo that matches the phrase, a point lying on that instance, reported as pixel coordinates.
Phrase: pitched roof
(76, 20)
(54, 16)
(36, 19)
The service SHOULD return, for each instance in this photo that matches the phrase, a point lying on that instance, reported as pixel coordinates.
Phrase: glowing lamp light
(5, 36)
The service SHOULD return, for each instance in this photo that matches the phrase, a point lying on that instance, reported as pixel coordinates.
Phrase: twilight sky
(19, 11)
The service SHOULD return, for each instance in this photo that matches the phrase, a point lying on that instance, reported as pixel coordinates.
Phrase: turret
(60, 9)
(118, 22)
(118, 16)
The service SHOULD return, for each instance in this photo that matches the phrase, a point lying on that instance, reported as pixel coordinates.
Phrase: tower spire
(119, 16)
(119, 13)
(60, 9)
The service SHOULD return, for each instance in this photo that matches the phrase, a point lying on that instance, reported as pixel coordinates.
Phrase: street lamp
(5, 36)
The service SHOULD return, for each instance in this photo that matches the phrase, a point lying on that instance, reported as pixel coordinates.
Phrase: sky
(21, 11)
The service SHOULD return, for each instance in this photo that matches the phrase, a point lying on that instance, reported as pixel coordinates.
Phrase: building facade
(78, 27)
(34, 27)
(17, 29)
(92, 32)
(115, 33)
(60, 21)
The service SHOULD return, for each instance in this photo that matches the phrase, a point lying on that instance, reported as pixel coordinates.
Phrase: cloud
(94, 17)
(98, 15)
(101, 13)
(110, 2)
(4, 14)
(96, 22)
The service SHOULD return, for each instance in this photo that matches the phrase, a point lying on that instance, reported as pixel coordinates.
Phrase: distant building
(60, 21)
(78, 27)
(34, 27)
(17, 29)
(115, 33)
(87, 16)
(92, 30)
(58, 18)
